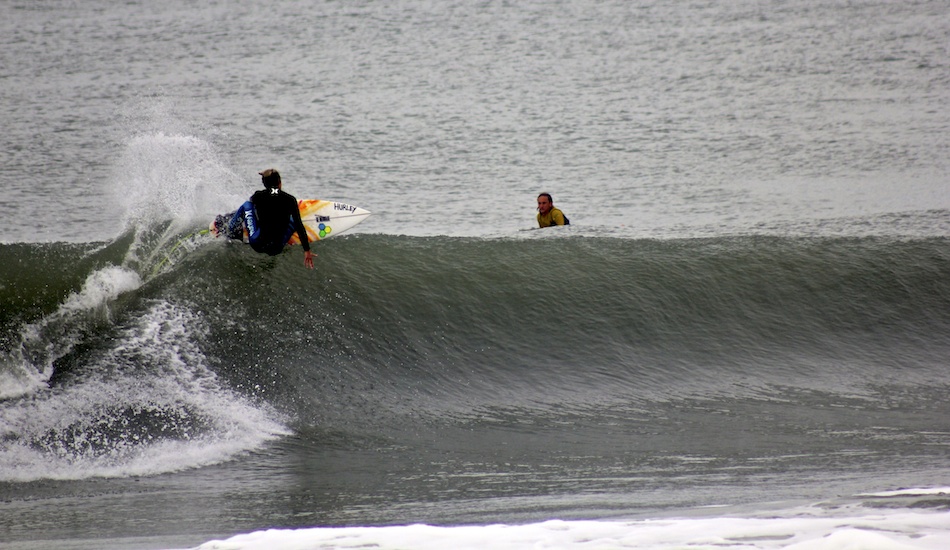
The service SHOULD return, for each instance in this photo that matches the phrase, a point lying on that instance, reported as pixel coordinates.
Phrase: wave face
(114, 367)
(585, 322)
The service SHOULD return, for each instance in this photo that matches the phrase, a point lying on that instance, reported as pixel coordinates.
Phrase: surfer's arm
(301, 230)
(304, 238)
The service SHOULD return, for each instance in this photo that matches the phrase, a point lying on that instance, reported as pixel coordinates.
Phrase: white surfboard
(323, 219)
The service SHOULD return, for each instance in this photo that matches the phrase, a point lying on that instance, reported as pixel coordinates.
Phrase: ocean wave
(468, 329)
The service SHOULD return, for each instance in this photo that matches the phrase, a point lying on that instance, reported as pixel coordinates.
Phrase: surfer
(549, 216)
(271, 216)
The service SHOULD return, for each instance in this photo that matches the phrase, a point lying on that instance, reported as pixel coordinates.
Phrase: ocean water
(741, 341)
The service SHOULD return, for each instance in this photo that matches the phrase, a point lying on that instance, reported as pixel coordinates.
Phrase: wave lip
(147, 405)
(30, 366)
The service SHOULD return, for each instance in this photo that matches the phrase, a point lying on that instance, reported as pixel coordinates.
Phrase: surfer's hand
(308, 259)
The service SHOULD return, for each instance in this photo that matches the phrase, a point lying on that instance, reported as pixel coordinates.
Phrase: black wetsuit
(271, 217)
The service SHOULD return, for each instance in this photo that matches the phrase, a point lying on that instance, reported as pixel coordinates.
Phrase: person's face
(544, 205)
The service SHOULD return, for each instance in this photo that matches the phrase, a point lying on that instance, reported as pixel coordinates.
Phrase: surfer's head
(545, 203)
(271, 178)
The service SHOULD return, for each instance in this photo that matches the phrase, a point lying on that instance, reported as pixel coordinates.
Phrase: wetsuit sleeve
(557, 216)
(298, 225)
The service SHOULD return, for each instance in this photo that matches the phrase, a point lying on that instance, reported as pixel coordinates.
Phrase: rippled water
(644, 118)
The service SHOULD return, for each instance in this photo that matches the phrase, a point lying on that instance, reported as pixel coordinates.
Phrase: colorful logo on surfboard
(324, 230)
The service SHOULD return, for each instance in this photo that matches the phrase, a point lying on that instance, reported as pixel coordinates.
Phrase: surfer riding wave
(271, 217)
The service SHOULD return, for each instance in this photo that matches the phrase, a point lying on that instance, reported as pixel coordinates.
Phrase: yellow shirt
(552, 218)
